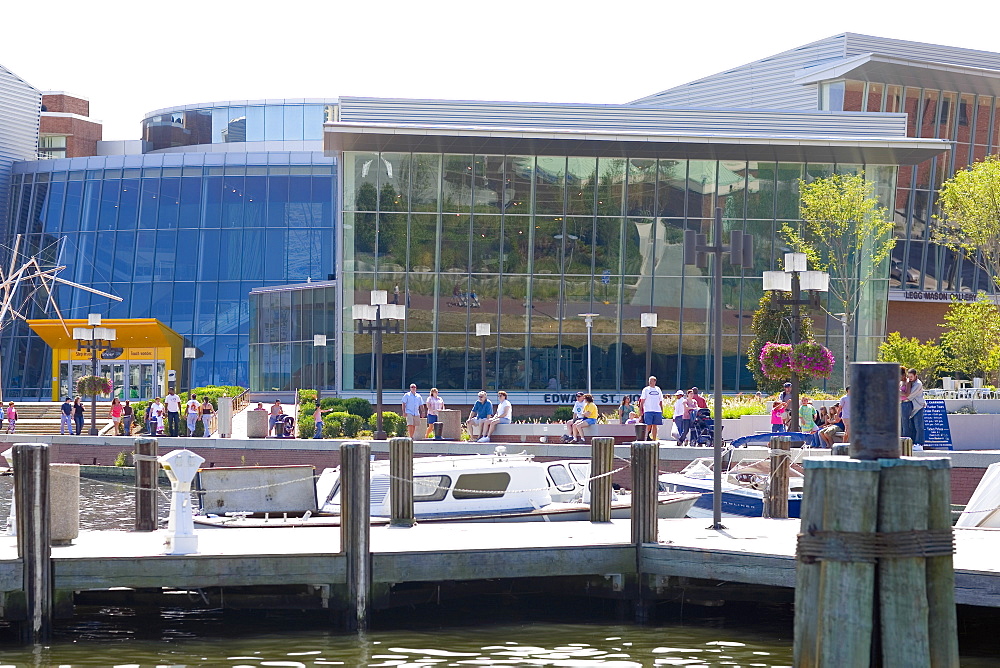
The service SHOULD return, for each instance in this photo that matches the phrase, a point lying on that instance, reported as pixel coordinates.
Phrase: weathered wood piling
(31, 491)
(602, 457)
(147, 468)
(355, 535)
(401, 481)
(776, 496)
(645, 459)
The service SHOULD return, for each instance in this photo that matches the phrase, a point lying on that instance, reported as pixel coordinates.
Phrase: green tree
(845, 233)
(927, 358)
(773, 323)
(972, 336)
(970, 220)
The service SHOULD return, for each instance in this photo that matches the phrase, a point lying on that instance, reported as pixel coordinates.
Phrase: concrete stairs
(39, 417)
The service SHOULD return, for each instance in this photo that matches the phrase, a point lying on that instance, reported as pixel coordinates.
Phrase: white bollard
(12, 517)
(224, 420)
(181, 466)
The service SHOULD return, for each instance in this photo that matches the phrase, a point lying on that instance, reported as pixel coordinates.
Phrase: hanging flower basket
(93, 385)
(776, 361)
(812, 360)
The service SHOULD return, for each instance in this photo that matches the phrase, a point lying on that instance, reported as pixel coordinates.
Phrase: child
(777, 416)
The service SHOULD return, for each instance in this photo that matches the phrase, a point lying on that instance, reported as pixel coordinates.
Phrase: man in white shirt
(173, 403)
(192, 414)
(410, 404)
(577, 415)
(502, 416)
(651, 405)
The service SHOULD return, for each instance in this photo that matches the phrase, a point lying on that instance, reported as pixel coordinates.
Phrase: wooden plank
(778, 571)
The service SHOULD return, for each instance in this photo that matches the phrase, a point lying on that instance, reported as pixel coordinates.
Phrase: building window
(51, 146)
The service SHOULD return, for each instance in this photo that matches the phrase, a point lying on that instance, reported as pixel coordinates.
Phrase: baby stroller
(702, 428)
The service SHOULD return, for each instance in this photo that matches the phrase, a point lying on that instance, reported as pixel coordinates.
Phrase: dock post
(645, 460)
(602, 457)
(776, 499)
(906, 446)
(942, 622)
(355, 482)
(874, 410)
(401, 481)
(31, 488)
(147, 467)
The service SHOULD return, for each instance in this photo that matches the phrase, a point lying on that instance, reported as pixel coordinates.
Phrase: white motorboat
(983, 509)
(742, 486)
(463, 488)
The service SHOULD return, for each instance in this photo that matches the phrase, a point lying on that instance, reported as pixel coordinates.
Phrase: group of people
(164, 417)
(825, 422)
(684, 408)
(481, 422)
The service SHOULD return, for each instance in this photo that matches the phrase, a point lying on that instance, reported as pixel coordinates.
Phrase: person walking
(913, 409)
(434, 404)
(275, 414)
(11, 418)
(78, 415)
(481, 410)
(192, 413)
(128, 415)
(502, 416)
(411, 404)
(66, 417)
(651, 407)
(680, 416)
(173, 405)
(116, 412)
(700, 400)
(207, 410)
(318, 421)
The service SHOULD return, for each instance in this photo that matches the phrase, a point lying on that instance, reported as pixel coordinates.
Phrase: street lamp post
(94, 339)
(794, 278)
(589, 319)
(378, 318)
(696, 252)
(648, 321)
(319, 341)
(483, 332)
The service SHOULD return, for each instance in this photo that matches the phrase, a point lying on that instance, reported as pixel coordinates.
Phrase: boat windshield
(481, 485)
(581, 471)
(561, 478)
(430, 487)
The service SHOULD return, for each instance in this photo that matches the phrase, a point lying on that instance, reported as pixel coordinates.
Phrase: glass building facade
(181, 237)
(285, 322)
(528, 243)
(967, 119)
(237, 123)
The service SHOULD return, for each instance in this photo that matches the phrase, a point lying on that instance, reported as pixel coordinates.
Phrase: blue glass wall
(181, 237)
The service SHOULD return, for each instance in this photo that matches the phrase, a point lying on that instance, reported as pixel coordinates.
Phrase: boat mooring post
(401, 481)
(602, 457)
(355, 484)
(874, 410)
(31, 489)
(645, 460)
(776, 499)
(147, 466)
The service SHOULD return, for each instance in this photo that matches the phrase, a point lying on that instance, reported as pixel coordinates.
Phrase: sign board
(937, 431)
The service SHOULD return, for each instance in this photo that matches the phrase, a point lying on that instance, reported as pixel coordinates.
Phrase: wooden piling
(645, 460)
(874, 410)
(401, 481)
(146, 469)
(906, 446)
(355, 482)
(942, 622)
(834, 594)
(776, 499)
(31, 491)
(602, 457)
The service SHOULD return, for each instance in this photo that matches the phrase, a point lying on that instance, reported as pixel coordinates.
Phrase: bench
(551, 433)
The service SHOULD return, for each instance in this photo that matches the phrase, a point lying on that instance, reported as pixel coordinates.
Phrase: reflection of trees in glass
(365, 227)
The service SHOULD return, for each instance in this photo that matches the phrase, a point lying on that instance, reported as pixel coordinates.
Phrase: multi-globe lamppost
(483, 332)
(696, 252)
(94, 339)
(377, 318)
(589, 319)
(794, 279)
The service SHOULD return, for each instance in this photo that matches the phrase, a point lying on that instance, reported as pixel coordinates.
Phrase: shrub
(359, 406)
(351, 424)
(393, 423)
(307, 429)
(307, 395)
(563, 413)
(328, 402)
(332, 427)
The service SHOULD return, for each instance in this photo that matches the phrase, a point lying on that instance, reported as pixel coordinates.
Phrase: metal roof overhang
(131, 332)
(371, 137)
(906, 72)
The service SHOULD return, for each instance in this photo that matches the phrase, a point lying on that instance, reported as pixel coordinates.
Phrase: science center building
(249, 228)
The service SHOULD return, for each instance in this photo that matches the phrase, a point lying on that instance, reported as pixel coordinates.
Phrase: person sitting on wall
(502, 416)
(481, 410)
(569, 436)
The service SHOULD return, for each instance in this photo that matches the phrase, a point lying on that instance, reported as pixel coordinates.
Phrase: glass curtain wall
(528, 243)
(183, 238)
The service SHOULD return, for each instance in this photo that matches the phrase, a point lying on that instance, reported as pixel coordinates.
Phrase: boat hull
(735, 500)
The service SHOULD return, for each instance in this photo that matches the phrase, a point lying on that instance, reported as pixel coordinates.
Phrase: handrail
(241, 401)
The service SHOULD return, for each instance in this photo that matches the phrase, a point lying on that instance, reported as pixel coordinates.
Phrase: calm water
(491, 630)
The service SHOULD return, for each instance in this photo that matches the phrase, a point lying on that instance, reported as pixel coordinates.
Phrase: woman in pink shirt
(777, 416)
(434, 404)
(11, 417)
(116, 413)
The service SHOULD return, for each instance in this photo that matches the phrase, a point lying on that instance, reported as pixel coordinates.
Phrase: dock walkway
(751, 551)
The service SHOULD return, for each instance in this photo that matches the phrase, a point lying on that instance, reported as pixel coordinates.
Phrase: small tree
(845, 233)
(927, 358)
(970, 220)
(771, 323)
(972, 336)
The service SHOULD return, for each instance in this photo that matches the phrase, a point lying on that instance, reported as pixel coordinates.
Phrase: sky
(130, 58)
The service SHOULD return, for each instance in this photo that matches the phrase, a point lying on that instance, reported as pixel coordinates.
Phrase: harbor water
(502, 630)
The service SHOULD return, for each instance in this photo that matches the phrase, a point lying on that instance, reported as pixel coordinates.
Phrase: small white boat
(983, 509)
(467, 488)
(742, 486)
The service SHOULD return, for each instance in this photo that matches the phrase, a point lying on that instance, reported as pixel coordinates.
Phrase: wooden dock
(303, 567)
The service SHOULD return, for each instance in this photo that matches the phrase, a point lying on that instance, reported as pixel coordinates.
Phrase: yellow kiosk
(145, 352)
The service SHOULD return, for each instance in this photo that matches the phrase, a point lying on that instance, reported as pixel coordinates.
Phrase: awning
(131, 332)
